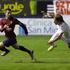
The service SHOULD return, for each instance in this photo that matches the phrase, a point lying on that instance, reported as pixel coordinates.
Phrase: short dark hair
(8, 9)
(58, 18)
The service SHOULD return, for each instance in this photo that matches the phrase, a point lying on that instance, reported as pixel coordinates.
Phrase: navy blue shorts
(9, 42)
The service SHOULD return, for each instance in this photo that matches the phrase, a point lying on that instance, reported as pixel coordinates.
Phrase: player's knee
(49, 42)
(15, 46)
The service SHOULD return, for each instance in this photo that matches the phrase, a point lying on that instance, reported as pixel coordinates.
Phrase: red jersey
(4, 22)
(8, 34)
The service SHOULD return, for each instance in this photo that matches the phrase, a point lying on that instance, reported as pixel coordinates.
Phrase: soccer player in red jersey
(7, 26)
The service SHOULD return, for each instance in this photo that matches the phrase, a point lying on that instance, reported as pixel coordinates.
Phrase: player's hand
(7, 28)
(50, 42)
(3, 28)
(26, 33)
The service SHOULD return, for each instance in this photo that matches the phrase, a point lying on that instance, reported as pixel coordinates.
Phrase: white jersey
(64, 28)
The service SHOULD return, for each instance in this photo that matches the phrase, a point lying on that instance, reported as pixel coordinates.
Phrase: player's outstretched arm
(56, 38)
(24, 28)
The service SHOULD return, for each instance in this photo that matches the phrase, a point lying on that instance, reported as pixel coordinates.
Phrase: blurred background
(36, 14)
(27, 8)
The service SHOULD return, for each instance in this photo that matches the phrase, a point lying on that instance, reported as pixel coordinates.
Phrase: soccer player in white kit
(63, 32)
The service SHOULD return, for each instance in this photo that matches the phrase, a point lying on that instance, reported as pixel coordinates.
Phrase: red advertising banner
(62, 7)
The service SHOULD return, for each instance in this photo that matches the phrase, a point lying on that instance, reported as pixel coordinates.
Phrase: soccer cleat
(32, 55)
(51, 48)
(5, 53)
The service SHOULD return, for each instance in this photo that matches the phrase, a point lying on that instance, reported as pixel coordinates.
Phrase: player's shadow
(38, 62)
(43, 62)
(50, 62)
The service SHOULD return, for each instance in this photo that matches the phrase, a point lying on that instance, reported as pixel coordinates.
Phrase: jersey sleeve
(1, 23)
(16, 21)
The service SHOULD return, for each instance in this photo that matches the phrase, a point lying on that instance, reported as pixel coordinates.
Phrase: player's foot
(51, 48)
(5, 53)
(32, 54)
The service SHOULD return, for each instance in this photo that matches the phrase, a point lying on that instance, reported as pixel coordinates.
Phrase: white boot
(51, 48)
(4, 53)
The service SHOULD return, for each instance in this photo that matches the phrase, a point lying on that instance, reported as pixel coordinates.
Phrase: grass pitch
(57, 59)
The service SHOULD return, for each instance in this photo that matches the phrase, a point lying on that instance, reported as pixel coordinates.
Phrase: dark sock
(22, 48)
(4, 49)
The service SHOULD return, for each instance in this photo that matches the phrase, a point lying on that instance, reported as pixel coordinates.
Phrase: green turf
(58, 59)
